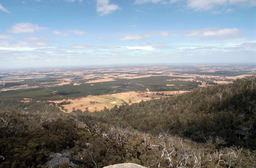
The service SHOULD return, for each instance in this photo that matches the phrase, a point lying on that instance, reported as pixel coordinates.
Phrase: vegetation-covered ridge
(223, 114)
(157, 133)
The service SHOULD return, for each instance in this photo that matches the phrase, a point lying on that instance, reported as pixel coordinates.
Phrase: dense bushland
(158, 133)
(226, 113)
(25, 143)
(81, 141)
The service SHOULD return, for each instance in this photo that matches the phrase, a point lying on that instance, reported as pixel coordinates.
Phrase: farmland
(129, 114)
(94, 89)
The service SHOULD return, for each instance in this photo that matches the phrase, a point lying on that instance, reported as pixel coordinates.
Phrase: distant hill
(224, 114)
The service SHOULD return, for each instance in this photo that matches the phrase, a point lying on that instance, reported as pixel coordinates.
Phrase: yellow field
(97, 103)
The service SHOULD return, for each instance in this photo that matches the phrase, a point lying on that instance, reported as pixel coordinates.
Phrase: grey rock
(2, 158)
(125, 165)
(59, 159)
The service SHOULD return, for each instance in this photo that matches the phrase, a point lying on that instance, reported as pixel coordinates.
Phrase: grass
(98, 103)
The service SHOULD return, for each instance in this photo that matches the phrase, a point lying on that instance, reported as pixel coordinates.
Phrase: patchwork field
(98, 103)
(16, 80)
(93, 89)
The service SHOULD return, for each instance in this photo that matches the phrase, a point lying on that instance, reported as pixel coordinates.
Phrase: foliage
(157, 133)
(227, 112)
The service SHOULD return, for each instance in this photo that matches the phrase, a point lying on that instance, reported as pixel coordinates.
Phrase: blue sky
(48, 33)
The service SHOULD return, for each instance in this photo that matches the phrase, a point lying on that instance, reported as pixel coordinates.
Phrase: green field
(157, 83)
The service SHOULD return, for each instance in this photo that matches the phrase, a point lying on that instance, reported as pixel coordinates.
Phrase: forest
(207, 127)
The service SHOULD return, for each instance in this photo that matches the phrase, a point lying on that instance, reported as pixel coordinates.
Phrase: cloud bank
(3, 9)
(104, 7)
(25, 28)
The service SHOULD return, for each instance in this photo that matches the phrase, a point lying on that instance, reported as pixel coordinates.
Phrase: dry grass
(26, 100)
(134, 76)
(170, 85)
(101, 80)
(222, 82)
(76, 84)
(18, 88)
(169, 93)
(112, 77)
(238, 76)
(63, 82)
(97, 103)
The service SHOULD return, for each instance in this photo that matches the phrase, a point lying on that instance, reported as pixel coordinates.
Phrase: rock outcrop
(58, 159)
(125, 165)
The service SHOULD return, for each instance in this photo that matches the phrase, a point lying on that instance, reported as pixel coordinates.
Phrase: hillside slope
(152, 134)
(223, 114)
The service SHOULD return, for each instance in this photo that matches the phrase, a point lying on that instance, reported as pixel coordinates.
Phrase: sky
(64, 33)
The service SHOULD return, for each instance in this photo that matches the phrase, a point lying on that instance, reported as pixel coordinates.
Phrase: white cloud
(24, 55)
(163, 33)
(22, 45)
(249, 44)
(5, 36)
(56, 32)
(173, 1)
(104, 7)
(77, 32)
(149, 1)
(155, 1)
(29, 43)
(204, 4)
(64, 33)
(214, 33)
(143, 36)
(25, 28)
(145, 48)
(160, 45)
(132, 37)
(3, 9)
(74, 0)
(224, 49)
(221, 32)
(229, 10)
(78, 47)
(236, 1)
(103, 38)
(94, 47)
(32, 38)
(245, 2)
